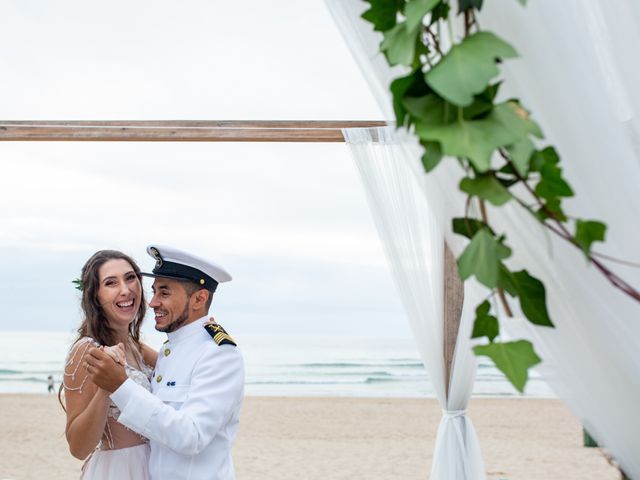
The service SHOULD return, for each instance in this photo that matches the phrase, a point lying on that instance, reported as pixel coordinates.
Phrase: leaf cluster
(450, 101)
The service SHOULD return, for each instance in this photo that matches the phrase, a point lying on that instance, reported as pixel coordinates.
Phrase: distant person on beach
(191, 417)
(50, 386)
(113, 308)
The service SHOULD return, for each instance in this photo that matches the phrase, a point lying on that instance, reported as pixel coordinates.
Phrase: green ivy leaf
(382, 13)
(486, 186)
(587, 232)
(491, 92)
(512, 358)
(440, 12)
(507, 182)
(542, 157)
(554, 206)
(415, 10)
(477, 139)
(507, 169)
(422, 50)
(506, 280)
(399, 45)
(482, 258)
(482, 103)
(411, 84)
(533, 298)
(432, 155)
(464, 5)
(429, 110)
(480, 107)
(485, 325)
(433, 110)
(468, 227)
(520, 153)
(398, 88)
(529, 125)
(551, 184)
(468, 67)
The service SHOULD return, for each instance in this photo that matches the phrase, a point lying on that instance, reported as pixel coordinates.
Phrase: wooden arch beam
(180, 130)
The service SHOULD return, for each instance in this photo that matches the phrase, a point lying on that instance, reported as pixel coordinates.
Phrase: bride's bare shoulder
(75, 373)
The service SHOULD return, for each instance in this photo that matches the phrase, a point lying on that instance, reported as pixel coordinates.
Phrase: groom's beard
(177, 323)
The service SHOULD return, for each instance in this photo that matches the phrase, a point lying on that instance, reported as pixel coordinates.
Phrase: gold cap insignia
(156, 254)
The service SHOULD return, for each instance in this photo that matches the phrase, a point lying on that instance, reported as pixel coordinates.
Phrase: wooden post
(453, 299)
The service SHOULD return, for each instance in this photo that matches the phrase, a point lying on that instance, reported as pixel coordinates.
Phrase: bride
(113, 306)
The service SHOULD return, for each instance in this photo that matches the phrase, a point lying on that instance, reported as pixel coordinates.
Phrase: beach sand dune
(337, 438)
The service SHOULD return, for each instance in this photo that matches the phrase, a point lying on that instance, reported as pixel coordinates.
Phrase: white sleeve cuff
(122, 395)
(137, 405)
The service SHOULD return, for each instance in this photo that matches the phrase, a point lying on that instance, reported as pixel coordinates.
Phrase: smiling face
(119, 292)
(170, 304)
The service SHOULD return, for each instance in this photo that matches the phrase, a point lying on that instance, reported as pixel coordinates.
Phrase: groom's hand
(103, 370)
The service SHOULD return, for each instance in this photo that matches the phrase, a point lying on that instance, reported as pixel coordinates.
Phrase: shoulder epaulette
(219, 334)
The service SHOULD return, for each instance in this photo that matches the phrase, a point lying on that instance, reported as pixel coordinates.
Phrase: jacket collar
(188, 330)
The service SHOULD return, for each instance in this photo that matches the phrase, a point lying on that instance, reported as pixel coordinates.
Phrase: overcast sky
(289, 221)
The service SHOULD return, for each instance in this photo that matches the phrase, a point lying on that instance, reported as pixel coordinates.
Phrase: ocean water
(275, 366)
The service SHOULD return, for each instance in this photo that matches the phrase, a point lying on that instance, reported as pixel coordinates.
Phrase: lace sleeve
(75, 375)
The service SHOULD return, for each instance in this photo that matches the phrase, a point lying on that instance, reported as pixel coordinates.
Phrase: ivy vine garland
(448, 100)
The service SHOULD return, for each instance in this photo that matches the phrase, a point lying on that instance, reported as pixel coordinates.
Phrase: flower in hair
(78, 283)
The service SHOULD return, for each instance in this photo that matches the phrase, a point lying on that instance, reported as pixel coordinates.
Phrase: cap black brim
(211, 286)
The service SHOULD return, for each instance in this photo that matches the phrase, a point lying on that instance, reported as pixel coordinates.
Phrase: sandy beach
(337, 438)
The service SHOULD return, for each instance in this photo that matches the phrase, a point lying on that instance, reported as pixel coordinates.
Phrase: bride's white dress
(122, 454)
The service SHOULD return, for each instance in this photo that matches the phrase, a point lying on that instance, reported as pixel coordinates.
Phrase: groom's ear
(199, 299)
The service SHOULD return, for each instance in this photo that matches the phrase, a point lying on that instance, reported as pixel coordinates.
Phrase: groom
(191, 414)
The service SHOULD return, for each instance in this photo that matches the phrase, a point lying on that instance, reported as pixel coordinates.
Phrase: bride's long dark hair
(94, 323)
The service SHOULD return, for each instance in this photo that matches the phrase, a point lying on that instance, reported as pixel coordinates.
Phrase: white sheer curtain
(578, 77)
(588, 104)
(413, 241)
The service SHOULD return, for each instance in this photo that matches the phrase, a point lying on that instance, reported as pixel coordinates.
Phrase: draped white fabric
(413, 241)
(579, 78)
(587, 103)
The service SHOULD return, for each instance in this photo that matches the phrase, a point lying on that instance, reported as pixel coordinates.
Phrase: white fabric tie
(454, 413)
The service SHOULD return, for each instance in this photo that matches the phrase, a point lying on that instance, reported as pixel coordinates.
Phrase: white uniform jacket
(191, 414)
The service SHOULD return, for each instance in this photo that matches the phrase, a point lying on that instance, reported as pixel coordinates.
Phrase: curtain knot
(454, 413)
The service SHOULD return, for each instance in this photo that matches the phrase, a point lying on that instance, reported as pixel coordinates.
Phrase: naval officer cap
(181, 265)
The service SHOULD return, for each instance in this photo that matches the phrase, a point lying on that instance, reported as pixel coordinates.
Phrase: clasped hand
(105, 366)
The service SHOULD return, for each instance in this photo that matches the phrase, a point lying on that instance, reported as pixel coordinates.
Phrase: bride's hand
(117, 353)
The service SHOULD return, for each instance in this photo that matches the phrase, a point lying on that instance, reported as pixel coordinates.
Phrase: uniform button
(167, 351)
(159, 378)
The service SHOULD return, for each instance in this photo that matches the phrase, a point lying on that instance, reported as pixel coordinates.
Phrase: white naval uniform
(191, 414)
